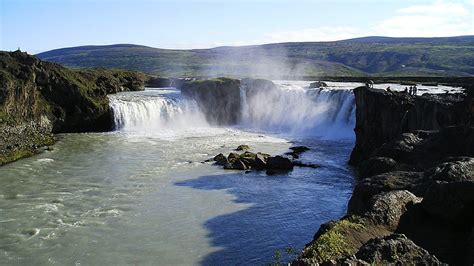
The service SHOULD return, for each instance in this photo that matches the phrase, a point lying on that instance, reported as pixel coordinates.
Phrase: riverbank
(414, 196)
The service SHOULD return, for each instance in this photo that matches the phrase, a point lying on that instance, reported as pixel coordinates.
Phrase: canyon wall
(40, 98)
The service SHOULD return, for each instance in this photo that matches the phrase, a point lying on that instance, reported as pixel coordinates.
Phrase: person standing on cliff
(410, 91)
(369, 84)
(415, 90)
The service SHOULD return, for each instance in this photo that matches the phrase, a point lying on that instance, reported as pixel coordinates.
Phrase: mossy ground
(15, 155)
(334, 243)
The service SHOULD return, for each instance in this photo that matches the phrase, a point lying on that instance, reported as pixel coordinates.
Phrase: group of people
(412, 90)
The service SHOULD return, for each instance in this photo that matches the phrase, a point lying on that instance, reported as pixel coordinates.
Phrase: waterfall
(155, 111)
(285, 109)
(297, 110)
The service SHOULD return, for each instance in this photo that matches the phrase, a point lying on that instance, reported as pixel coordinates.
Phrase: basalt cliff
(414, 200)
(38, 99)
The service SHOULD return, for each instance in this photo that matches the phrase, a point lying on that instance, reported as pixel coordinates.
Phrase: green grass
(334, 243)
(371, 56)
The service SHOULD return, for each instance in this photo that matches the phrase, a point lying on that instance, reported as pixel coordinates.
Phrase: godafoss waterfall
(147, 193)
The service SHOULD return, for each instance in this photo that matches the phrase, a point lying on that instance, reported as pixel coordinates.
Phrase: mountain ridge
(366, 56)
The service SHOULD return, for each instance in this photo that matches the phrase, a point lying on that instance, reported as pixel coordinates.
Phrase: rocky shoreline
(414, 200)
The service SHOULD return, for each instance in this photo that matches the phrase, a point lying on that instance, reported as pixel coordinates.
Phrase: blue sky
(41, 25)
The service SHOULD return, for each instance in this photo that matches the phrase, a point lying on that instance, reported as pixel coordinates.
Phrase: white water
(161, 112)
(295, 109)
(290, 109)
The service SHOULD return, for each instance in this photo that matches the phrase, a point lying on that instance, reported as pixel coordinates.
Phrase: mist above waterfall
(256, 62)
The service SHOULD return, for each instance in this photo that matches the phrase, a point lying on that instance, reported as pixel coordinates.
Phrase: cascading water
(297, 110)
(289, 108)
(155, 111)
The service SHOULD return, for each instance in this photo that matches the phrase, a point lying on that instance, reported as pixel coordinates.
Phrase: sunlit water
(142, 194)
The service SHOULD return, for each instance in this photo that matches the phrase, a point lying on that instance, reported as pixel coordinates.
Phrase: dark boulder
(369, 187)
(221, 159)
(261, 160)
(233, 157)
(297, 150)
(279, 163)
(242, 147)
(318, 84)
(387, 208)
(395, 249)
(456, 169)
(236, 165)
(376, 165)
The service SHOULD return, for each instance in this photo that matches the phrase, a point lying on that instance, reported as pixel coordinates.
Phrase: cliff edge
(39, 98)
(414, 200)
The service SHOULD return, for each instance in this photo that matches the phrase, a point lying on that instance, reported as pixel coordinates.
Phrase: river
(143, 194)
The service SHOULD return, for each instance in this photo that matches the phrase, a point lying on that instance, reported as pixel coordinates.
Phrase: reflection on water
(124, 199)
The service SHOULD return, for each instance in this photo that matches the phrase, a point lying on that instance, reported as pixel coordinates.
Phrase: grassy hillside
(378, 56)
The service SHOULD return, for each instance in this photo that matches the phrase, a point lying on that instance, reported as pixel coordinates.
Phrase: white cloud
(316, 34)
(438, 19)
(439, 8)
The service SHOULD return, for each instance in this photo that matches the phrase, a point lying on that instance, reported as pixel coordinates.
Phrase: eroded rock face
(387, 208)
(396, 249)
(219, 99)
(382, 116)
(376, 165)
(369, 187)
(42, 98)
(459, 169)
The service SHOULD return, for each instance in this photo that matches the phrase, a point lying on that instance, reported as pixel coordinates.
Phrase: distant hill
(377, 56)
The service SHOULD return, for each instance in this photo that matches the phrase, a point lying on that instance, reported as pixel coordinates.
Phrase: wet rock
(261, 161)
(376, 165)
(297, 150)
(279, 163)
(233, 157)
(308, 165)
(221, 159)
(242, 147)
(236, 165)
(395, 249)
(318, 84)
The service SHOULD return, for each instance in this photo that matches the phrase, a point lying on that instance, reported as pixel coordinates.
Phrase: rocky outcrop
(40, 98)
(219, 99)
(161, 82)
(393, 249)
(318, 84)
(414, 157)
(246, 160)
(381, 116)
